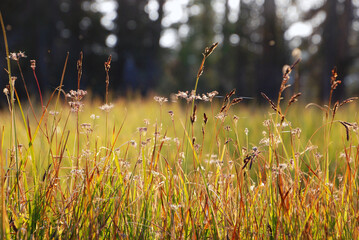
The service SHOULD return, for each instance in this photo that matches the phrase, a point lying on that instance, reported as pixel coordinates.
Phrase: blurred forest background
(156, 45)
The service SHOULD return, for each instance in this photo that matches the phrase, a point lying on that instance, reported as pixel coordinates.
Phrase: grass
(191, 169)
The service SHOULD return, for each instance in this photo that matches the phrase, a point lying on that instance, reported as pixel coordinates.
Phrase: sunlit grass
(114, 193)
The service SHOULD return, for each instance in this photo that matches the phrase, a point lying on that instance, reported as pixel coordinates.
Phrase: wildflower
(76, 106)
(85, 125)
(246, 131)
(160, 100)
(165, 139)
(154, 173)
(211, 95)
(53, 113)
(175, 207)
(142, 129)
(192, 96)
(13, 56)
(196, 146)
(282, 166)
(291, 161)
(227, 128)
(221, 116)
(78, 95)
(177, 141)
(266, 123)
(296, 132)
(340, 178)
(250, 158)
(230, 163)
(133, 143)
(17, 56)
(284, 124)
(205, 98)
(107, 107)
(198, 97)
(181, 95)
(264, 141)
(235, 119)
(93, 116)
(171, 114)
(310, 148)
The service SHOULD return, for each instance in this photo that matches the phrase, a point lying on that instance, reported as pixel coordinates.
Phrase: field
(205, 166)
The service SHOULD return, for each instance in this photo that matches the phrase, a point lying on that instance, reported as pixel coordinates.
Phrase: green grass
(159, 170)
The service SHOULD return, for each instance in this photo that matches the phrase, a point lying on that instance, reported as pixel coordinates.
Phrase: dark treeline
(255, 43)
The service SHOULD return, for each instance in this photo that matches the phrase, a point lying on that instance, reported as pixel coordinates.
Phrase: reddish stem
(38, 86)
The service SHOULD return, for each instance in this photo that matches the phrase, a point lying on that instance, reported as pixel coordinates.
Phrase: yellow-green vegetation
(205, 166)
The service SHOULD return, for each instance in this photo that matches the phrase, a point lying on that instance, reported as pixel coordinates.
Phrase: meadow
(187, 166)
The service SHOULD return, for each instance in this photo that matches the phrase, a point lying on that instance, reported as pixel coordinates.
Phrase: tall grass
(200, 167)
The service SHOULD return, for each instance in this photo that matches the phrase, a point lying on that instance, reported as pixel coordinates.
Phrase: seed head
(209, 50)
(33, 64)
(6, 91)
